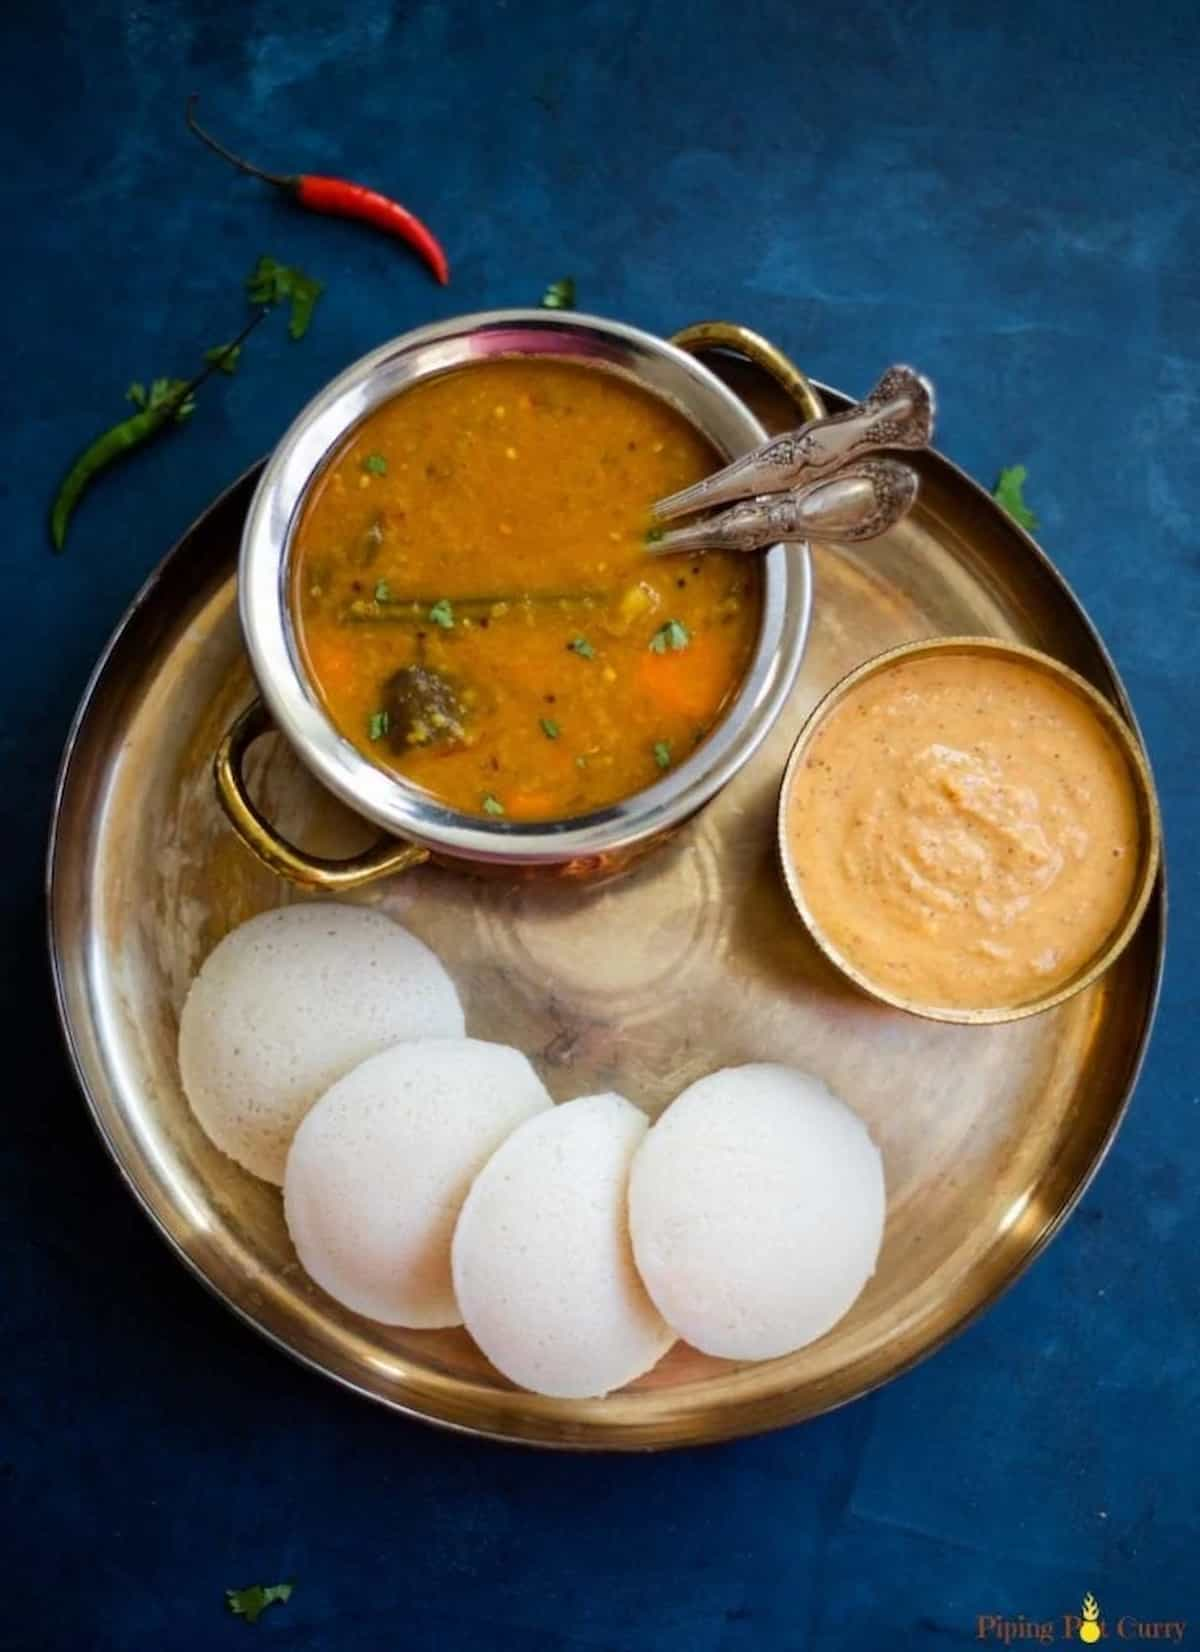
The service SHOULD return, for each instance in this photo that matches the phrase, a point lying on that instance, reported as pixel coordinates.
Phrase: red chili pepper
(341, 199)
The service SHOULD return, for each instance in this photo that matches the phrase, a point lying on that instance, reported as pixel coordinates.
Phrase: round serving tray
(692, 962)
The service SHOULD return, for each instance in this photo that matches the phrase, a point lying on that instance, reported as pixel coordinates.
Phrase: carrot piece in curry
(493, 553)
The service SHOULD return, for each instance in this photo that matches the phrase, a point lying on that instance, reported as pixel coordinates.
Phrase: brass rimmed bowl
(1142, 786)
(419, 826)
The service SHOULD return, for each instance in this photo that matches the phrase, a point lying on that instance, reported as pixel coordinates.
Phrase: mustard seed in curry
(476, 604)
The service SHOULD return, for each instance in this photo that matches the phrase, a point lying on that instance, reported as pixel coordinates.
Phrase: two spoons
(817, 482)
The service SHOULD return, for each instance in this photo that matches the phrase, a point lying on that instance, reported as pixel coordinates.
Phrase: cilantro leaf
(383, 591)
(662, 753)
(375, 464)
(673, 635)
(160, 392)
(492, 805)
(252, 1602)
(560, 295)
(267, 282)
(1010, 495)
(224, 357)
(378, 724)
(442, 613)
(305, 293)
(549, 728)
(270, 282)
(582, 647)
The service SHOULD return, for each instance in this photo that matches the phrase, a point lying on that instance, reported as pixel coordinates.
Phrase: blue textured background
(1006, 195)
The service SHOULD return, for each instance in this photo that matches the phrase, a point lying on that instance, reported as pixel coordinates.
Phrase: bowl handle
(731, 335)
(261, 838)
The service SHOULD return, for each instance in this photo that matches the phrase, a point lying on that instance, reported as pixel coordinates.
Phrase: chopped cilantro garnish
(653, 534)
(662, 753)
(383, 591)
(376, 464)
(1009, 493)
(560, 295)
(582, 647)
(270, 282)
(378, 724)
(492, 805)
(442, 614)
(673, 635)
(251, 1603)
(549, 727)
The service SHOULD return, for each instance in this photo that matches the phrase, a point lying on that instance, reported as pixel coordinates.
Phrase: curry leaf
(1009, 493)
(549, 727)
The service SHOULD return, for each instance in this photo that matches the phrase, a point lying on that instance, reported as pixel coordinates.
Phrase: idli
(380, 1166)
(543, 1269)
(756, 1207)
(290, 1001)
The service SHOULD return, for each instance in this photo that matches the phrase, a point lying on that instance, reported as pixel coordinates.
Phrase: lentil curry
(475, 600)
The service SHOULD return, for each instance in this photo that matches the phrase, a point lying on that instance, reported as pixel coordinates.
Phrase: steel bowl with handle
(417, 826)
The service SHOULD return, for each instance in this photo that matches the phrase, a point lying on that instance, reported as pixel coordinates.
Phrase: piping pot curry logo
(1089, 1628)
(1087, 1625)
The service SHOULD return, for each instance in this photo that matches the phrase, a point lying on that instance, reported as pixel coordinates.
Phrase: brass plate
(694, 961)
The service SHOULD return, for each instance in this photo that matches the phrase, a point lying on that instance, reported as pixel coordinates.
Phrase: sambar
(475, 602)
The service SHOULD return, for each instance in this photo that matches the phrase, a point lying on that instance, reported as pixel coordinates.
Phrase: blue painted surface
(1006, 195)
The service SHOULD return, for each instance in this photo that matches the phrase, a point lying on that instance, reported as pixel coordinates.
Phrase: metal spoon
(899, 412)
(860, 502)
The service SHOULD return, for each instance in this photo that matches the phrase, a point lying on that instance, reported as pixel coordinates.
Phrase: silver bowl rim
(265, 609)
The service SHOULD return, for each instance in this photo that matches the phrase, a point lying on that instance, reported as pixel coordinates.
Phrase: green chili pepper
(168, 401)
(105, 450)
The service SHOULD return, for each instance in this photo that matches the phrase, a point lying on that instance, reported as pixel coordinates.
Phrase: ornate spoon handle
(860, 502)
(899, 412)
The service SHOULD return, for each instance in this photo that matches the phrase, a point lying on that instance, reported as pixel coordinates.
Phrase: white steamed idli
(380, 1166)
(756, 1207)
(543, 1268)
(290, 1001)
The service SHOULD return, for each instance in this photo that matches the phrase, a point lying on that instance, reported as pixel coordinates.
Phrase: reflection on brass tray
(692, 961)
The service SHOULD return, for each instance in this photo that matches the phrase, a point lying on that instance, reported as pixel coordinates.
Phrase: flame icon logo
(1089, 1629)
